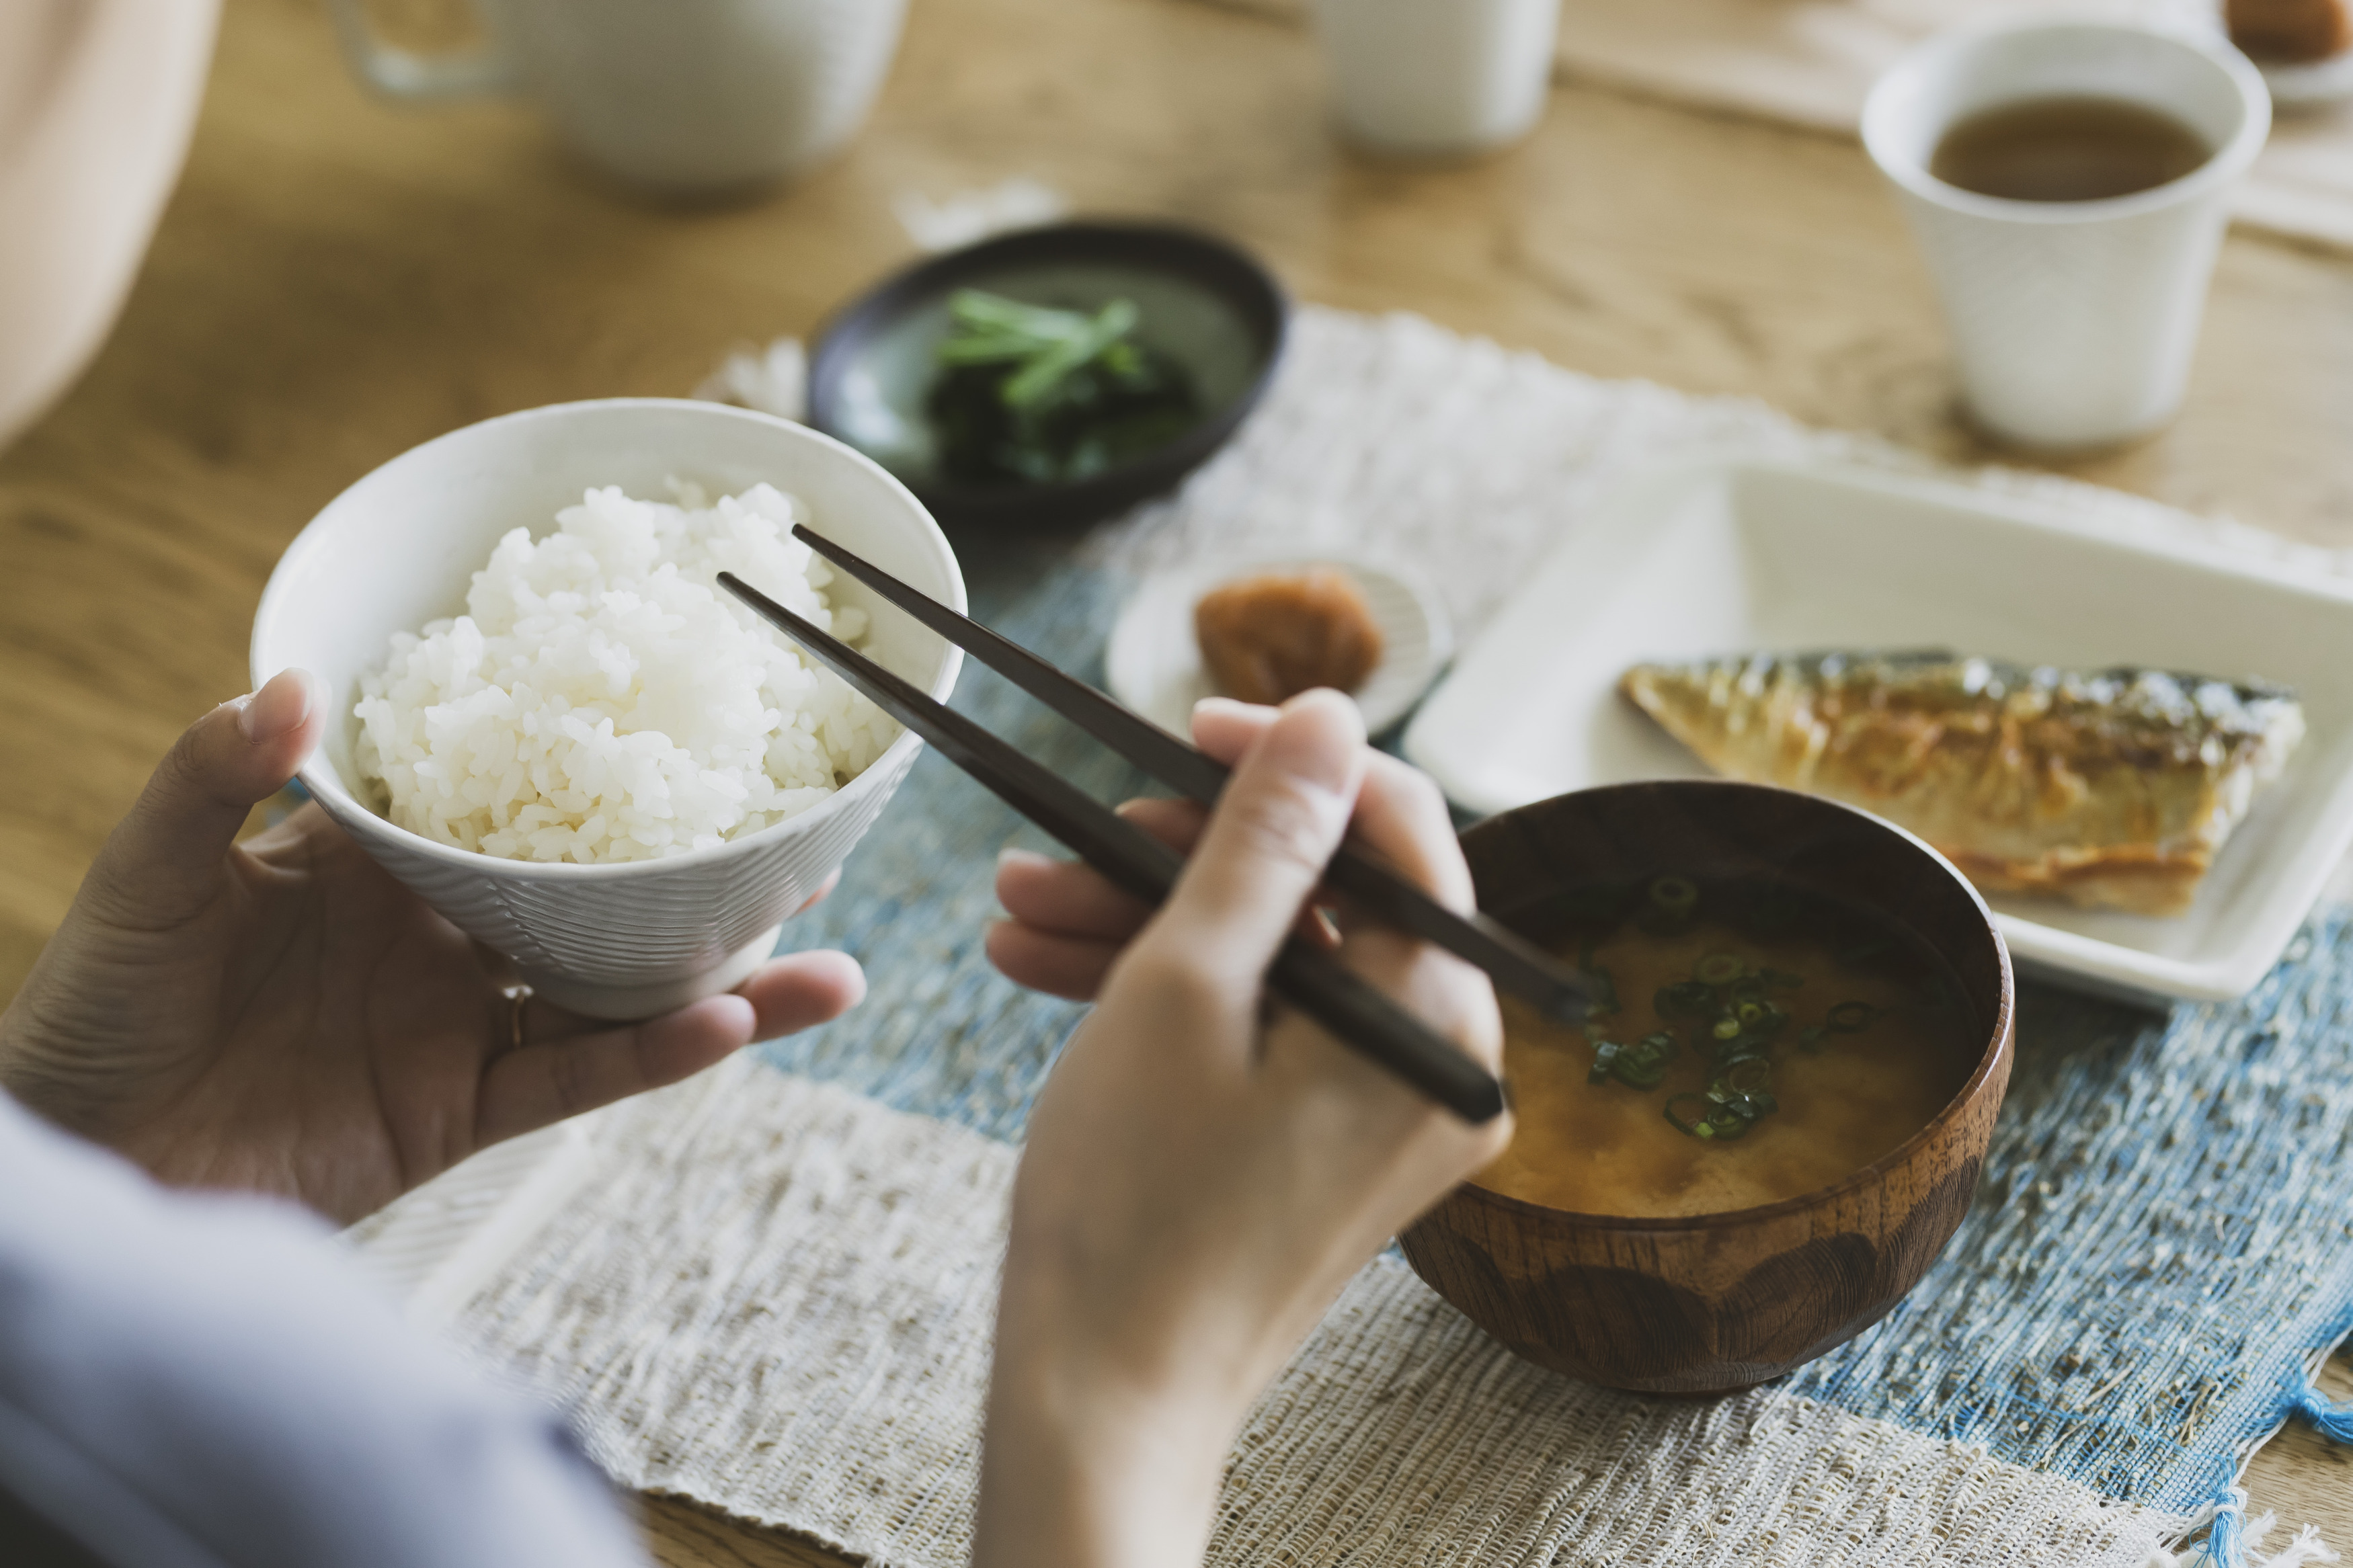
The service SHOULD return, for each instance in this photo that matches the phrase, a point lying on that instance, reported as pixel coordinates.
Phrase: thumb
(162, 860)
(1284, 810)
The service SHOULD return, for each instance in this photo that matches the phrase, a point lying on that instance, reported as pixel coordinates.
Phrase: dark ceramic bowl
(1204, 302)
(1709, 1304)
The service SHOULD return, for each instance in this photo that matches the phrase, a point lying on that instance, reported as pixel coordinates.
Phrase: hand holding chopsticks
(1313, 980)
(1511, 961)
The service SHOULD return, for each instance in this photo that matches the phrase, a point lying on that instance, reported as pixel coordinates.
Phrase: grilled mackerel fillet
(2112, 788)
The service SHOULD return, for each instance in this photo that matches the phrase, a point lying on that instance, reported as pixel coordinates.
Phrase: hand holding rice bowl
(601, 701)
(399, 550)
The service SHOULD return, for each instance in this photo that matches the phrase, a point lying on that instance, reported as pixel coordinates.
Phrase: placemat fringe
(2233, 1537)
(2333, 1422)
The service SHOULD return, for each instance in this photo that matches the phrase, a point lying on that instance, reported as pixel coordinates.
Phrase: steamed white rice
(603, 699)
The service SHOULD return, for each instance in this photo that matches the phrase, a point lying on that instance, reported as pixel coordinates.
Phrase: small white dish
(2309, 84)
(1719, 558)
(1153, 662)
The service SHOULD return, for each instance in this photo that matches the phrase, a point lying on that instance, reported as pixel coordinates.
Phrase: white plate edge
(2267, 936)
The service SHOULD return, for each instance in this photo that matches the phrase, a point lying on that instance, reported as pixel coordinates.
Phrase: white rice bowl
(602, 699)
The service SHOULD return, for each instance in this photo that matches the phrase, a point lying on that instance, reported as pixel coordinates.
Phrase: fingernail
(284, 702)
(1014, 855)
(1226, 705)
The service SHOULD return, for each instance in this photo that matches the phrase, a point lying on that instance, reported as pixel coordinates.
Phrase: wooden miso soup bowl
(1711, 1303)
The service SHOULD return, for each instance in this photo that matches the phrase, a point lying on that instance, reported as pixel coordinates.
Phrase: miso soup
(1750, 1041)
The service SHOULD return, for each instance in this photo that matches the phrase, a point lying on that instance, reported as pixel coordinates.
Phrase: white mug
(2072, 322)
(680, 97)
(1438, 76)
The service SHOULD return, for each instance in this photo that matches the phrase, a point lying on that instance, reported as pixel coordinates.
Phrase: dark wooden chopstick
(1510, 959)
(1313, 980)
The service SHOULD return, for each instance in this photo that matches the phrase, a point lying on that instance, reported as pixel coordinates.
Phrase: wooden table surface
(339, 278)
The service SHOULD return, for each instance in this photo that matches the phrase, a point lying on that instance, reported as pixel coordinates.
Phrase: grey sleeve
(196, 1380)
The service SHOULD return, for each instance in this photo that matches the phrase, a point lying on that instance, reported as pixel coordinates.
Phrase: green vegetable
(1848, 1017)
(1605, 1059)
(1642, 1064)
(1675, 895)
(1738, 1005)
(1035, 394)
(1741, 1051)
(1669, 907)
(1695, 1125)
(1720, 968)
(1711, 1115)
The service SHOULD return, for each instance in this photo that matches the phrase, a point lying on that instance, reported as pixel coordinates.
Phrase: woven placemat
(772, 1292)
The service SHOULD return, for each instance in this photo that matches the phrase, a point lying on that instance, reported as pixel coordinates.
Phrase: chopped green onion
(1640, 1069)
(1721, 1118)
(1848, 1017)
(1676, 895)
(1695, 1126)
(1642, 1064)
(1720, 968)
(1734, 1114)
(1727, 1029)
(1605, 1056)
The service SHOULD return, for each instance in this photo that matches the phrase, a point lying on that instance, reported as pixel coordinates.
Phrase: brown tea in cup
(2066, 149)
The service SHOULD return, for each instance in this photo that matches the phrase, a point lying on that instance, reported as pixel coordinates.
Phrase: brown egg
(1272, 636)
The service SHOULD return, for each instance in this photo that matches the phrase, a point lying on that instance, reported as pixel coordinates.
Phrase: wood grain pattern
(339, 278)
(1712, 1303)
(682, 1534)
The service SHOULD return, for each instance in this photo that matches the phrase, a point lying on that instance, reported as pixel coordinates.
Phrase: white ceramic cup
(399, 549)
(1438, 77)
(2072, 322)
(679, 97)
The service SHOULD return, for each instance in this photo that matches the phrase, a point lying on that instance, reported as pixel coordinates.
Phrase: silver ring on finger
(518, 1003)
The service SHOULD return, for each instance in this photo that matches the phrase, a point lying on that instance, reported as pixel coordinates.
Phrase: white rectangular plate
(1734, 557)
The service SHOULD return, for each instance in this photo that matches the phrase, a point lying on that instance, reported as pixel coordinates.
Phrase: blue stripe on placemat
(939, 1032)
(2163, 1237)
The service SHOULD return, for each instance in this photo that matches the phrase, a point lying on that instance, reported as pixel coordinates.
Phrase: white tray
(1722, 558)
